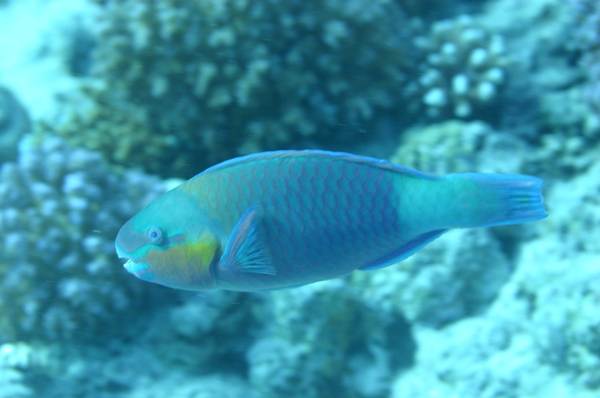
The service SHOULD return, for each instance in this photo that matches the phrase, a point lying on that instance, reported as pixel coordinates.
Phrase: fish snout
(128, 241)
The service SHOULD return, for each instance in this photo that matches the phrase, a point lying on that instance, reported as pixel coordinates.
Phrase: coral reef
(214, 386)
(461, 70)
(575, 209)
(586, 38)
(193, 347)
(60, 211)
(477, 357)
(432, 10)
(570, 139)
(458, 146)
(12, 384)
(537, 340)
(322, 340)
(18, 362)
(210, 333)
(184, 84)
(538, 38)
(14, 123)
(457, 276)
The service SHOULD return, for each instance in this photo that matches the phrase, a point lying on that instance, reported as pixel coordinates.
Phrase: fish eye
(154, 235)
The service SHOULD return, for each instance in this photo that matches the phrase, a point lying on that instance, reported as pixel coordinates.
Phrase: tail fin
(486, 200)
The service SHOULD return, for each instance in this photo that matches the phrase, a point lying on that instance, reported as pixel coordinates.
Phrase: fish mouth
(129, 265)
(121, 253)
(137, 267)
(132, 267)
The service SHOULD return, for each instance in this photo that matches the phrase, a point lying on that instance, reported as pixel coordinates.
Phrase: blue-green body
(289, 218)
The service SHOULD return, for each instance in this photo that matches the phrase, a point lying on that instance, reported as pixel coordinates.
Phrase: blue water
(104, 105)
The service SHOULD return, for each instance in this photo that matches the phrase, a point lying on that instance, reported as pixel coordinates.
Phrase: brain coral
(59, 212)
(188, 82)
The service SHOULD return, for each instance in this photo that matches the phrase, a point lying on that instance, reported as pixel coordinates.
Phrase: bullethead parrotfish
(288, 218)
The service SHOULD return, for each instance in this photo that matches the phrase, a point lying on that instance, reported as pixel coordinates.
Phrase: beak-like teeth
(120, 253)
(135, 267)
(128, 265)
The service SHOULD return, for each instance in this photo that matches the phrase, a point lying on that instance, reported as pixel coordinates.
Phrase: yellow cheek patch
(198, 253)
(201, 252)
(185, 265)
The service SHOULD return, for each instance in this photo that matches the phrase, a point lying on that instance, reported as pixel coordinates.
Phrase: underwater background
(106, 104)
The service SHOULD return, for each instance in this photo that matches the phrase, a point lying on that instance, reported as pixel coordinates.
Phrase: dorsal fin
(314, 153)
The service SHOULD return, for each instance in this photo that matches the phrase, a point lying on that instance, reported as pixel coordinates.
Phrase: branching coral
(462, 69)
(60, 211)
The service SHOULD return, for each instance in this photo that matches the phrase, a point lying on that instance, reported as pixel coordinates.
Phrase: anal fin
(404, 251)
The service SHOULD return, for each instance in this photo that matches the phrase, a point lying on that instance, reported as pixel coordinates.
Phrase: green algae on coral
(202, 80)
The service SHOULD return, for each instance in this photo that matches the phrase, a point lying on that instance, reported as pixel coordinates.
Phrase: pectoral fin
(246, 250)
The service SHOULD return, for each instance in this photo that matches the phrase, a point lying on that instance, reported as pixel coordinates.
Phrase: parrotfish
(288, 218)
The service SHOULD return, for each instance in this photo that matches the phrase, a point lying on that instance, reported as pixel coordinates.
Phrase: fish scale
(334, 232)
(333, 217)
(287, 218)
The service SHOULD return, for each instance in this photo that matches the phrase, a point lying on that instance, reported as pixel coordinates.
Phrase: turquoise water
(106, 104)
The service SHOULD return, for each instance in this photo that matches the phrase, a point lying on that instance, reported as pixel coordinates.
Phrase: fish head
(169, 243)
